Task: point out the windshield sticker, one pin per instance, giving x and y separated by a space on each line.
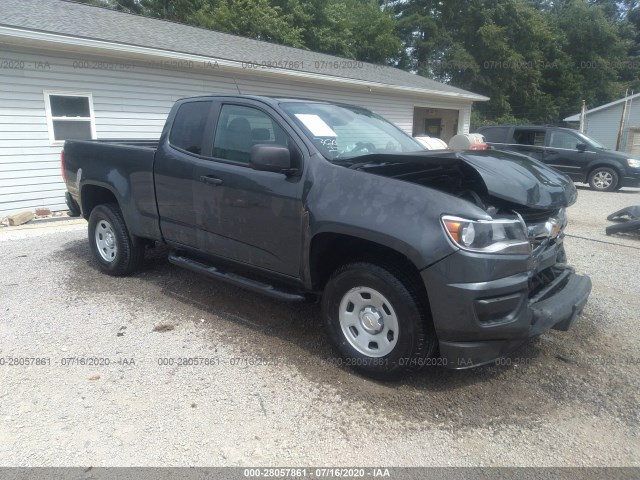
329 143
316 125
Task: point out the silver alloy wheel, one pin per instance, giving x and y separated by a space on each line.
368 322
603 179
106 241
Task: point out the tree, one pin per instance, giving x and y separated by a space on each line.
535 59
129 6
497 48
250 18
357 29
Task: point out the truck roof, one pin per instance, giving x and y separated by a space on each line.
271 100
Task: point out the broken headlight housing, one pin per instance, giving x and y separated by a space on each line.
503 236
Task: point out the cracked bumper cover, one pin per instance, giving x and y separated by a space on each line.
479 322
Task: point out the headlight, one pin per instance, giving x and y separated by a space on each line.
487 236
633 163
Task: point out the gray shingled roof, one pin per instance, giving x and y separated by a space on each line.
85 21
576 117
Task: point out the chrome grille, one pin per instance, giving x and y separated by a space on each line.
546 227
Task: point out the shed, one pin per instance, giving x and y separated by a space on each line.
603 124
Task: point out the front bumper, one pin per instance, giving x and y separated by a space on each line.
631 178
480 322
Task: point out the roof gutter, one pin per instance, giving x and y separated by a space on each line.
576 117
31 37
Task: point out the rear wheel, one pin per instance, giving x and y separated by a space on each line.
117 254
604 179
377 319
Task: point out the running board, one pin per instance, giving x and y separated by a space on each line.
238 280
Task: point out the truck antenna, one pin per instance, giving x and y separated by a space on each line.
234 81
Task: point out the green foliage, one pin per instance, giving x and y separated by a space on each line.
536 59
250 18
478 119
355 29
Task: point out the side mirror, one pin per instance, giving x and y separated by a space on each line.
270 158
581 147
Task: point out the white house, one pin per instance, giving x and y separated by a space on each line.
603 124
70 70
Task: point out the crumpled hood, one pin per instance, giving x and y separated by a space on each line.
521 179
508 176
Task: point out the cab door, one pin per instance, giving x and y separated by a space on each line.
562 153
242 214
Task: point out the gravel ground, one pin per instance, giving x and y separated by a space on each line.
565 399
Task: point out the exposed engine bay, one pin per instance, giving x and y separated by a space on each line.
453 174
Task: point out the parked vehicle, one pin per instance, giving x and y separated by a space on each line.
580 157
411 252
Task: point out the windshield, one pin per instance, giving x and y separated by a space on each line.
591 141
346 132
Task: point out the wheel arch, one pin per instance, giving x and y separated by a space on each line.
385 271
604 164
330 250
92 195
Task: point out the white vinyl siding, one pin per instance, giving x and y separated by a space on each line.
603 125
133 102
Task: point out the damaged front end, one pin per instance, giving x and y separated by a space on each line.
487 303
508 279
550 275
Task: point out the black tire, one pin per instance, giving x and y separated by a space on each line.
415 339
604 179
118 255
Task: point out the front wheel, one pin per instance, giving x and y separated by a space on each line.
377 319
117 254
604 179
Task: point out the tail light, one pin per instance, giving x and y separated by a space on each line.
482 146
64 171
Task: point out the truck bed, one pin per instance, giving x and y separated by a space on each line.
129 142
123 166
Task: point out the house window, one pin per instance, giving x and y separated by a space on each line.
69 116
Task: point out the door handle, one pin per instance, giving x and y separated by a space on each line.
552 152
211 180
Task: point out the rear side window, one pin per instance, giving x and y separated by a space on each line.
564 140
496 134
529 137
189 125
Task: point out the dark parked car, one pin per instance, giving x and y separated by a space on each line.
411 252
580 157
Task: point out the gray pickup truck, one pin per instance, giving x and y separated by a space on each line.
419 258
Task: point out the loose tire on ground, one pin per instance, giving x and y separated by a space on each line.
110 243
604 179
377 318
